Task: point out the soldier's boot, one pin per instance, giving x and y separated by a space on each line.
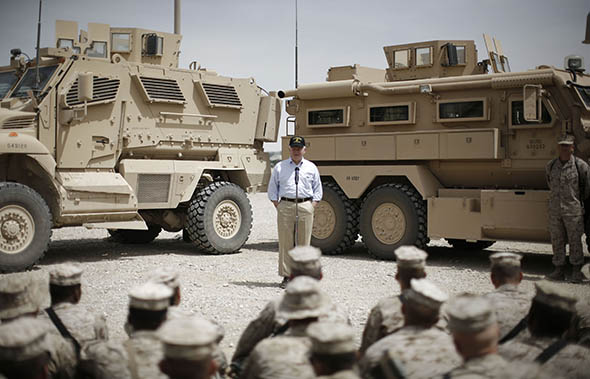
557 274
576 274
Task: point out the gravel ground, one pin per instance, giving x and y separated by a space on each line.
232 289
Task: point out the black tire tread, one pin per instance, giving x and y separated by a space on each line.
352 221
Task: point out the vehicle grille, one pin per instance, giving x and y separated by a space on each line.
221 95
162 90
104 90
20 122
153 188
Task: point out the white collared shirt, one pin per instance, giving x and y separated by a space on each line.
282 181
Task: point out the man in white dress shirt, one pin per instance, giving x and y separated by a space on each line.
282 192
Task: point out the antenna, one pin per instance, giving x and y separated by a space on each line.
296 47
37 78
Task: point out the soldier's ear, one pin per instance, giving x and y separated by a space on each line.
212 368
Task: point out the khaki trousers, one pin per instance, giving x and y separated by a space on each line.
286 225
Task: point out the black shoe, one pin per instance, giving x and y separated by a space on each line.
558 274
284 283
576 274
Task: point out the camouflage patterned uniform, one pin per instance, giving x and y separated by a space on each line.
511 305
423 352
83 325
490 366
144 353
565 209
347 374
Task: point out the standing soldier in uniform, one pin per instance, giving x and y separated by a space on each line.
286 197
567 177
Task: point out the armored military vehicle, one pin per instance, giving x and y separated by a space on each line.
435 146
108 132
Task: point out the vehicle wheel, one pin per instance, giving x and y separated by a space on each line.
25 227
131 236
393 215
185 236
335 221
219 218
468 245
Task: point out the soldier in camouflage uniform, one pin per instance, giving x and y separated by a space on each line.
285 356
66 290
23 349
510 303
386 316
567 175
419 346
24 295
305 261
333 351
188 345
549 322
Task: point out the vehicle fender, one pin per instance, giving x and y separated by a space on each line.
18 143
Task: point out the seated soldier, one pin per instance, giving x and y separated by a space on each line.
510 303
333 351
188 346
286 354
419 346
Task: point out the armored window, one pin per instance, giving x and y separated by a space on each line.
391 114
121 42
461 110
28 81
65 43
518 114
326 117
98 49
460 54
152 44
7 80
585 95
423 56
401 58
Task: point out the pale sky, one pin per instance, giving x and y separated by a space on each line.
256 38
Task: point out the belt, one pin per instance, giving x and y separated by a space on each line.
301 200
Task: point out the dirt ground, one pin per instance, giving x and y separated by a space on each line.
232 289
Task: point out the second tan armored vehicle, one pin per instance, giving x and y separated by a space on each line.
436 147
115 135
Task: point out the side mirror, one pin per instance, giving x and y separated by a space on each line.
531 96
85 86
452 59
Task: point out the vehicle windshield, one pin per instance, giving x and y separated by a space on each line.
584 93
28 81
7 80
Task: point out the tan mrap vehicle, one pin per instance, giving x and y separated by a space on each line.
436 147
117 136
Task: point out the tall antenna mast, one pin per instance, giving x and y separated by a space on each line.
296 48
37 77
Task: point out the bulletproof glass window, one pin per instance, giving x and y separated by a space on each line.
121 42
505 63
7 80
518 114
326 117
585 95
65 43
461 109
97 50
460 54
153 45
390 113
401 58
423 56
29 78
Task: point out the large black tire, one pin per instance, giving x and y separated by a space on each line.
25 227
219 218
467 245
393 215
335 221
131 236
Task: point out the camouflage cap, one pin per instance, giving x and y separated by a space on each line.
23 339
190 338
17 295
302 299
505 259
566 139
556 296
66 274
305 258
410 257
165 275
469 313
424 293
331 338
150 296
